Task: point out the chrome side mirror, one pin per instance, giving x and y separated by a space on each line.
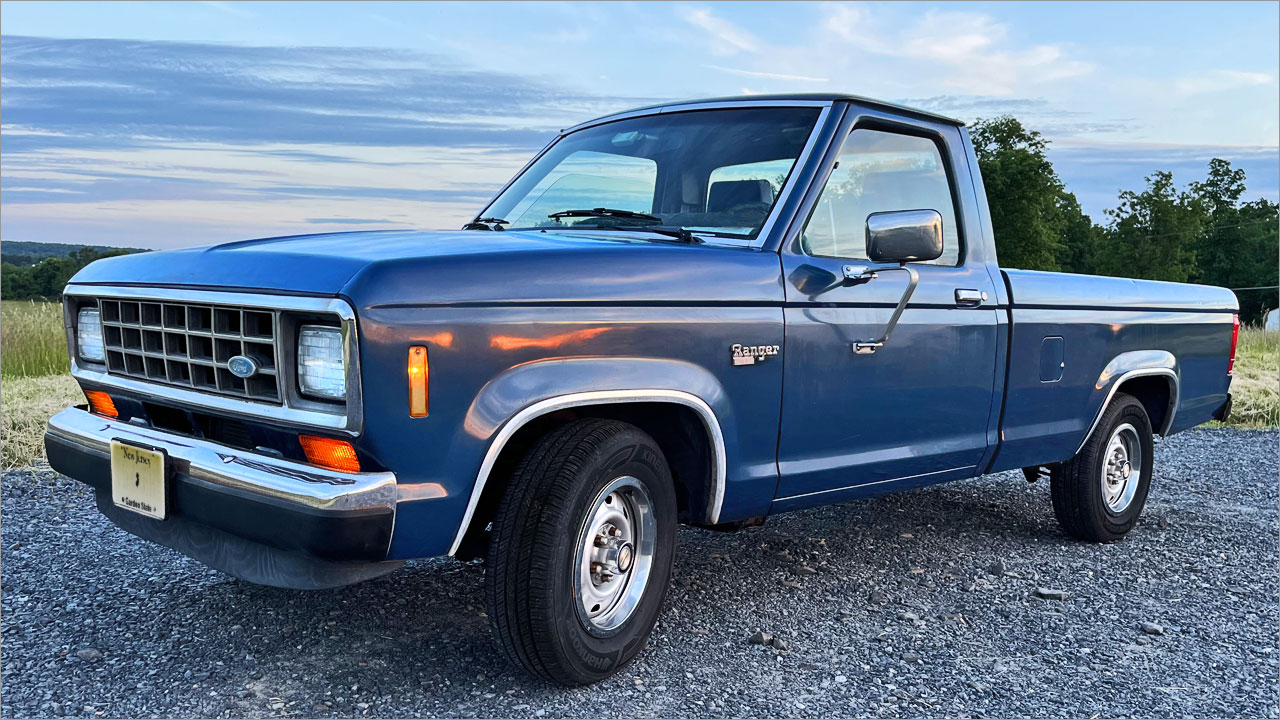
903 236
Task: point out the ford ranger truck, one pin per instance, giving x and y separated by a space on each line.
700 313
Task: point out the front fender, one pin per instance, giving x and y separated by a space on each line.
527 392
488 365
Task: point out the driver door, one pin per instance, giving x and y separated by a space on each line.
916 410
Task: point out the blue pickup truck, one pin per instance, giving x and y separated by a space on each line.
700 313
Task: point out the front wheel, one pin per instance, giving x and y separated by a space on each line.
581 551
1099 494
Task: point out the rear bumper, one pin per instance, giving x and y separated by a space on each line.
264 519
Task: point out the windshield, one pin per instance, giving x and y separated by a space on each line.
715 172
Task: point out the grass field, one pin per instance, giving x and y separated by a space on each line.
1255 389
26 403
32 340
34 383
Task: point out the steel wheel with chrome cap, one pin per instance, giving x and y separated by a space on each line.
1122 456
1099 494
580 551
615 555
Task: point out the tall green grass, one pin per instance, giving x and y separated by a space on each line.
34 379
32 340
1255 385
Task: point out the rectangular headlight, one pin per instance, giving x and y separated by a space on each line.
322 370
89 335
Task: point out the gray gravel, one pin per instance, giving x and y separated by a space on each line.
963 599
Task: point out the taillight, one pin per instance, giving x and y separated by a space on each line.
1235 340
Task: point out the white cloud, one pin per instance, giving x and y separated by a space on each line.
769 75
883 50
726 38
970 52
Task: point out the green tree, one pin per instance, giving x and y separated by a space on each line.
1038 224
46 279
1238 247
1153 234
1081 238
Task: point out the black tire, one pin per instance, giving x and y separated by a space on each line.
533 551
1077 484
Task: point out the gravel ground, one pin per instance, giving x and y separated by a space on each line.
926 603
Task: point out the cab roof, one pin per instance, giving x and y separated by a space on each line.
778 99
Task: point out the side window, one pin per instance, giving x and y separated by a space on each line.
880 171
587 179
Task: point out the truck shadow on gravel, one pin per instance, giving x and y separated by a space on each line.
427 620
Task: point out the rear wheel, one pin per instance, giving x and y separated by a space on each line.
581 551
1099 494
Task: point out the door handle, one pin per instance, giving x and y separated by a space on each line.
969 298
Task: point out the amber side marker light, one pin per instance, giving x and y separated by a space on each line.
418 372
327 452
101 403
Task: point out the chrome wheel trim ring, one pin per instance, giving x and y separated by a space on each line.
1121 468
614 555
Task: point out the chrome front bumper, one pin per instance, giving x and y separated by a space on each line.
267 520
304 485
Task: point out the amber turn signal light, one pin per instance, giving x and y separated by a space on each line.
101 403
418 372
327 452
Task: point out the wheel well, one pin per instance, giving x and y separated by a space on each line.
1155 393
677 429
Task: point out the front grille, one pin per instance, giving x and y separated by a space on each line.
188 345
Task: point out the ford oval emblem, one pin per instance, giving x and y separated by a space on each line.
242 367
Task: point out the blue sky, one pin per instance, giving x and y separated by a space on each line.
177 124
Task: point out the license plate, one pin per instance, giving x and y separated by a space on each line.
137 479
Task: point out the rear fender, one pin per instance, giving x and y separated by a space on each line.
1125 367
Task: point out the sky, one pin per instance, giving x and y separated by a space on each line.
178 124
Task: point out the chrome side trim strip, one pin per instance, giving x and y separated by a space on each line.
1174 398
295 411
876 482
600 397
293 482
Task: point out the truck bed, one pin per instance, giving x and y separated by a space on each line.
1074 337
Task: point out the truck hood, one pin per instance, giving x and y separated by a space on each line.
449 267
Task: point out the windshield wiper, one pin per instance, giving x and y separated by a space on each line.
486 223
681 234
605 212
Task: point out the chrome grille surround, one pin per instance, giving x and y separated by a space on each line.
174 344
